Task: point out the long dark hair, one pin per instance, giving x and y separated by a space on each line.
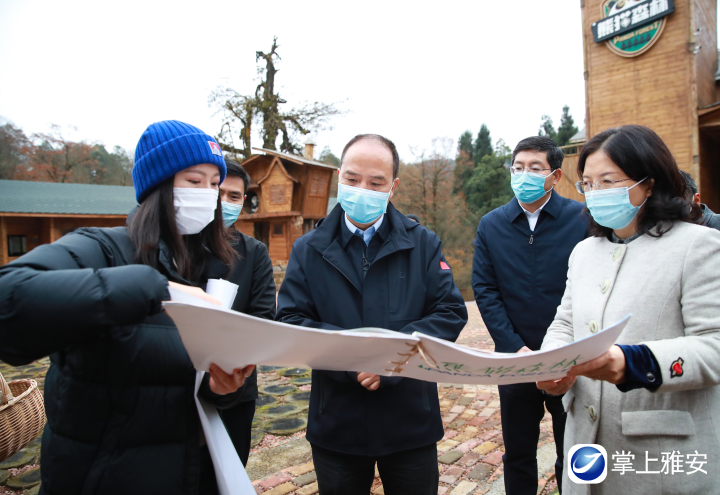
155 220
640 153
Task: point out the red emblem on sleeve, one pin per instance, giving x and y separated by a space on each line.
676 368
444 266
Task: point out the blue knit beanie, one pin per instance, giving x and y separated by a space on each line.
166 148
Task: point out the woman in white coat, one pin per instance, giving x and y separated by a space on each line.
651 401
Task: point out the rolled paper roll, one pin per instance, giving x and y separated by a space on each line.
223 290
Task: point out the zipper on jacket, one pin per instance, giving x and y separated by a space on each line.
531 239
366 263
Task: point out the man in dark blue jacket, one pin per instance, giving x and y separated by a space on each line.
253 275
519 272
367 265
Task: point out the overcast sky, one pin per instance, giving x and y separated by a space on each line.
411 71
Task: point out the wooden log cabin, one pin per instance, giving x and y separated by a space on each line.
35 213
288 194
654 63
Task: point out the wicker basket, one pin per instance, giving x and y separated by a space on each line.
22 415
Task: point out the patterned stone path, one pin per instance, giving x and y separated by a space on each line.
469 455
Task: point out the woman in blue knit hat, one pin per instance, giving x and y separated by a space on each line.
119 394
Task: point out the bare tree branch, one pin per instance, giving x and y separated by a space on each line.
240 112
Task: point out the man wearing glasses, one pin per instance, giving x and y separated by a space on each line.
519 272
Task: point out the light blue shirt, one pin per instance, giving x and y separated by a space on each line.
365 234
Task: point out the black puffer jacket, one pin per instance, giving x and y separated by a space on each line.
119 393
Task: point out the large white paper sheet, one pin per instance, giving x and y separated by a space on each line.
459 364
234 340
229 471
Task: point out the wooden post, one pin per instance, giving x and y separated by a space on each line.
3 242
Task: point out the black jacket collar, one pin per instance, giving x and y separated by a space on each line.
345 234
328 229
327 239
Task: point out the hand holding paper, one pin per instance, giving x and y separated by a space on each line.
557 387
178 291
609 367
369 381
223 383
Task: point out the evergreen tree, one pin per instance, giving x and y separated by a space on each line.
567 127
483 145
489 186
502 150
547 128
327 156
13 148
111 168
464 165
465 144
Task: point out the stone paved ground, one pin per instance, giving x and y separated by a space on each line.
469 455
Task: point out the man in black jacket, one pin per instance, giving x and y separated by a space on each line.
519 273
255 296
367 265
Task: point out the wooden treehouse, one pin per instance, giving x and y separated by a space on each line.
288 194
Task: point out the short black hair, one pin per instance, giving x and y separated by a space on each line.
690 183
642 154
541 143
376 137
234 169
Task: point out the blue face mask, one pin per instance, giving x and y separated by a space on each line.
362 205
529 187
230 212
612 208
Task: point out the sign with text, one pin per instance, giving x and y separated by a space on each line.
631 27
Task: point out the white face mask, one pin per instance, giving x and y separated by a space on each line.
194 208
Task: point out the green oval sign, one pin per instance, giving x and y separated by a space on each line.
631 27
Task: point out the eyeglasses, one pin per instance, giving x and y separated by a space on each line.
536 169
584 186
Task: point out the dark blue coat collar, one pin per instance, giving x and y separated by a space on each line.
346 235
553 207
328 229
327 239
